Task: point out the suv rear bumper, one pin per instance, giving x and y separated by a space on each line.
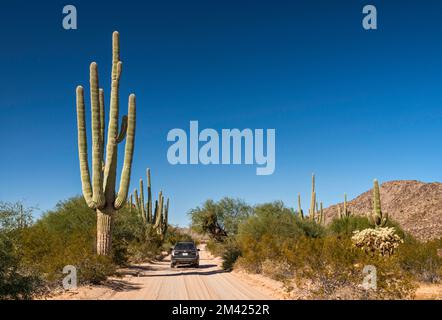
185 260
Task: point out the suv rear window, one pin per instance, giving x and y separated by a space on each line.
184 246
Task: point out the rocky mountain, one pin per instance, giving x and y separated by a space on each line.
415 205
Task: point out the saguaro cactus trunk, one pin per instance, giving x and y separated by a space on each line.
101 195
300 212
313 199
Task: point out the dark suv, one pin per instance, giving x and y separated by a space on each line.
185 253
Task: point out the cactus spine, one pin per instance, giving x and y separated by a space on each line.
101 194
377 217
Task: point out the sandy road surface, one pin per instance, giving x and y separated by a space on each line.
157 281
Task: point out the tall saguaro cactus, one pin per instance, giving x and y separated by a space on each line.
300 211
149 197
101 194
313 199
377 217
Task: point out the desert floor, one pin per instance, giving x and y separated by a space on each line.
157 281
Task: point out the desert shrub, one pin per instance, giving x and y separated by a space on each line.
422 260
95 269
64 236
310 228
231 252
16 281
262 236
279 270
332 268
132 240
382 241
216 248
174 235
219 219
276 243
346 226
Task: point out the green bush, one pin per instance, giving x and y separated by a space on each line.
231 253
16 282
64 236
174 235
421 259
323 263
67 236
216 248
345 227
261 236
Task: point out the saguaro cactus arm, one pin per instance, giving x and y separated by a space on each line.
97 144
149 197
123 130
102 121
142 207
111 149
82 149
128 155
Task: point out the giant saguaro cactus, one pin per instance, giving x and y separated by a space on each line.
101 194
377 217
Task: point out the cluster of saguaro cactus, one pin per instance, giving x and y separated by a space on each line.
316 211
378 218
158 219
101 194
346 213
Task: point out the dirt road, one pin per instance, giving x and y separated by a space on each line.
157 281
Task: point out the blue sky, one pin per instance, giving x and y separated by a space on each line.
348 104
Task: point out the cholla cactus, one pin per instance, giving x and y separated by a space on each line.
101 195
377 217
382 241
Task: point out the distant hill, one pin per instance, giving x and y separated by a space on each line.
416 205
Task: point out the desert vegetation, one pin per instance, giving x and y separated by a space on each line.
34 253
316 260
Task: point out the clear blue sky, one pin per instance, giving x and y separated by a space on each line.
347 104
